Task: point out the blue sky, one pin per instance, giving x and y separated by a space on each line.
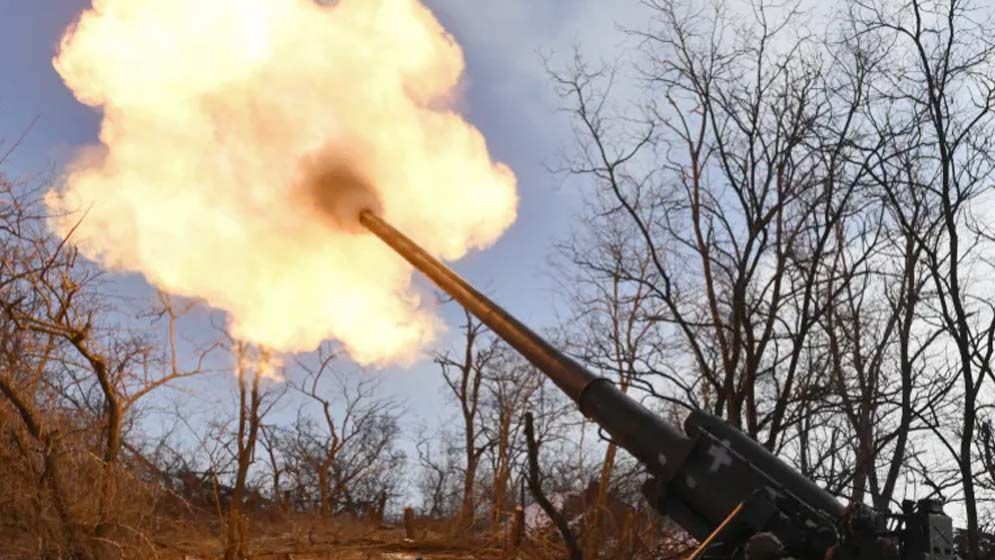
507 95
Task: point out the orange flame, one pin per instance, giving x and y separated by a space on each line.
233 127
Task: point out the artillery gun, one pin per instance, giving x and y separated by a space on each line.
721 486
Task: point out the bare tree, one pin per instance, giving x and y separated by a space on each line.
273 440
34 432
359 430
808 204
125 368
611 328
464 376
438 460
734 186
943 60
251 366
574 552
81 370
510 383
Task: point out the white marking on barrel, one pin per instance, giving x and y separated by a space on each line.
720 457
662 459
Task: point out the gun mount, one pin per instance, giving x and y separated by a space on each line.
714 481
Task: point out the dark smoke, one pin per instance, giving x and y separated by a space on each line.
338 191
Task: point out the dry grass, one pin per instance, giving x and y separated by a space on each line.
303 537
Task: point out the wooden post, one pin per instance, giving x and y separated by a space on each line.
628 532
518 527
409 523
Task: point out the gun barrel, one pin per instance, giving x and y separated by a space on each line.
631 425
569 376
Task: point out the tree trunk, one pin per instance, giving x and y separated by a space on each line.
248 426
467 510
323 492
967 474
574 551
500 481
112 450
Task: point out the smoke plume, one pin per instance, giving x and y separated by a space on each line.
241 137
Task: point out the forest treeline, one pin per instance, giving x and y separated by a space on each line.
789 222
